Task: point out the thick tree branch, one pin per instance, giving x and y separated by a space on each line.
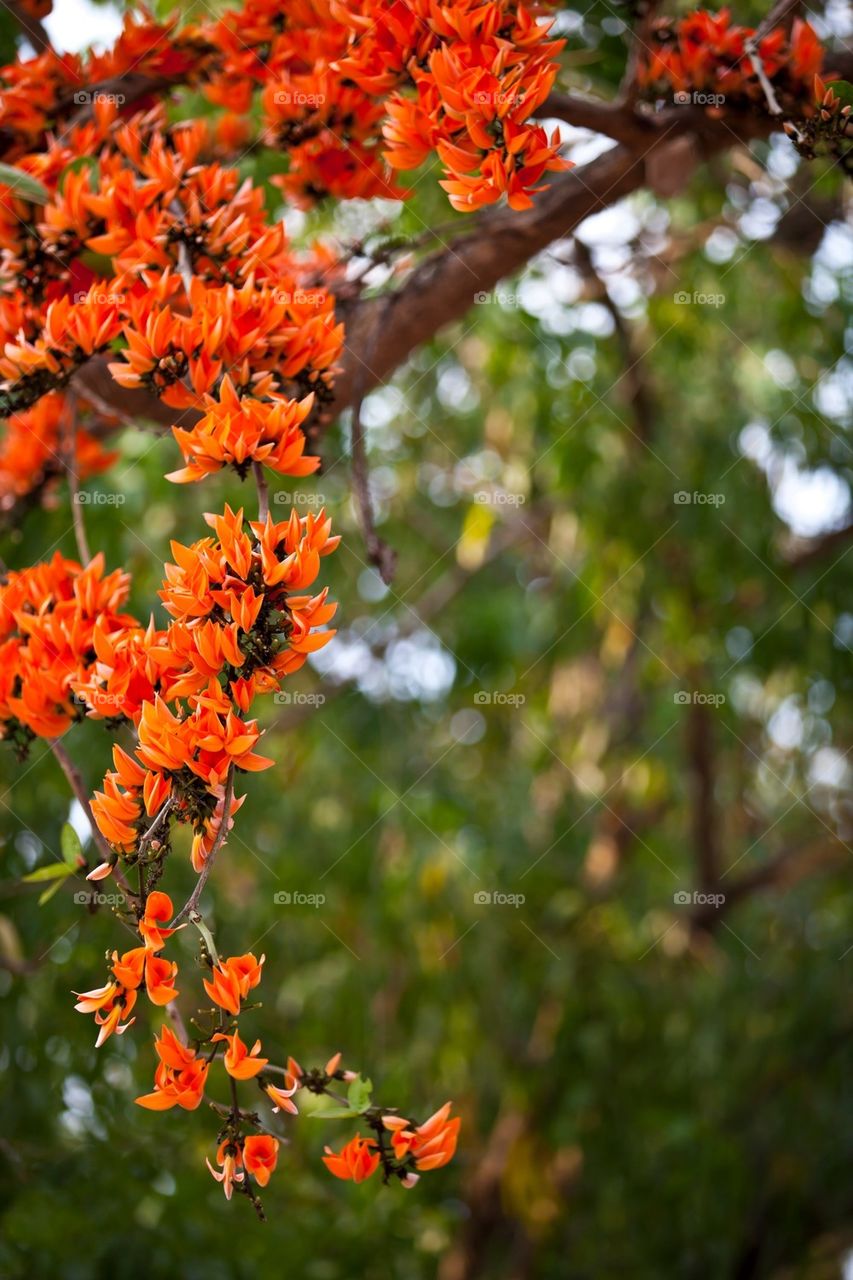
622 123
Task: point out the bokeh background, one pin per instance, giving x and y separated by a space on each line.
575 790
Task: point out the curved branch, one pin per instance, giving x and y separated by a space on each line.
75 781
190 907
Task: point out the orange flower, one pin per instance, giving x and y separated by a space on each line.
224 989
158 909
431 1144
180 1078
240 1062
282 1098
238 431
228 1155
129 968
260 1155
232 981
355 1162
159 976
109 1004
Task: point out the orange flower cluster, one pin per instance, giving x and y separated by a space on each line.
235 621
204 289
707 52
32 450
180 1078
116 999
182 1074
154 247
329 77
479 72
415 1149
129 233
49 615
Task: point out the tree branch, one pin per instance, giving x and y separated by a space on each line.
75 781
190 907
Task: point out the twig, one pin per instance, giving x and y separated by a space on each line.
77 785
190 907
751 50
629 87
70 450
149 834
781 14
634 375
378 551
263 491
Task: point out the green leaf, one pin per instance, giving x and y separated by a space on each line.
842 89
48 893
77 165
359 1094
56 871
72 849
334 1113
23 184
